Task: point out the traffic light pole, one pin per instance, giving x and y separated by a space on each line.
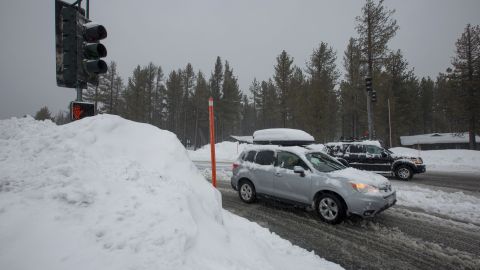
79 88
371 126
369 112
79 94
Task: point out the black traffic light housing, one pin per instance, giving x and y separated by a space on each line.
373 96
78 50
368 84
79 110
92 51
66 44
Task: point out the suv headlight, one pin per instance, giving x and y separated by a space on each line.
417 160
364 188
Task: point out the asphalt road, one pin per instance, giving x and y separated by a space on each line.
398 238
464 181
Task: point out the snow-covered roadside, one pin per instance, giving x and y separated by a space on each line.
107 193
457 205
224 151
222 174
453 160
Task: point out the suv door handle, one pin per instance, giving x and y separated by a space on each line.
278 174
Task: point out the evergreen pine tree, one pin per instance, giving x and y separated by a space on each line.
322 99
467 73
43 114
282 77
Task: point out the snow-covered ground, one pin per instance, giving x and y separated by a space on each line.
453 160
455 205
107 193
224 151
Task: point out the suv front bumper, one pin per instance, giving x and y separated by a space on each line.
419 168
369 206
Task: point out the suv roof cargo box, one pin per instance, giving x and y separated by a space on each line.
282 136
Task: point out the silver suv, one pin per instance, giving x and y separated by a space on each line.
311 178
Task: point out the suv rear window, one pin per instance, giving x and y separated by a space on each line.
250 156
265 158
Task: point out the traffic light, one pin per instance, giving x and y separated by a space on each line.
78 50
91 51
79 110
368 84
66 45
373 95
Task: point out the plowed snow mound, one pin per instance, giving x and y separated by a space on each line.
108 193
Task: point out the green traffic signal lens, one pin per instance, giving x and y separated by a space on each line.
94 50
95 66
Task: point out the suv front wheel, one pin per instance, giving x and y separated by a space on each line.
330 209
404 172
246 191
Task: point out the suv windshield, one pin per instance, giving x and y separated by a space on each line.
324 163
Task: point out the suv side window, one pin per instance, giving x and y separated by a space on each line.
250 156
288 160
356 149
265 157
372 149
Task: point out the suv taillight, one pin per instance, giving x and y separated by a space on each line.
235 165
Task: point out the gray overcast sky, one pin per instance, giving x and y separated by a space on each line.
249 34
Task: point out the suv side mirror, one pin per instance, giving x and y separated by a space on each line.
300 170
384 154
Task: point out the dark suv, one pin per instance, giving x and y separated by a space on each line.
371 157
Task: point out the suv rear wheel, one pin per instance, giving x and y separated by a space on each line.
246 191
330 209
404 172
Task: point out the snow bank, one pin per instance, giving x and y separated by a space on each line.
107 193
224 151
456 205
454 160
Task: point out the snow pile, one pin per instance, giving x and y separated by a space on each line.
454 160
107 193
456 205
224 151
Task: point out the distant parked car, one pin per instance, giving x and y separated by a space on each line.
311 178
371 157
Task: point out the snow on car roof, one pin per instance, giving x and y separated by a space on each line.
285 136
366 142
294 149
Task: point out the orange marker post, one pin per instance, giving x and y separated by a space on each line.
212 141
